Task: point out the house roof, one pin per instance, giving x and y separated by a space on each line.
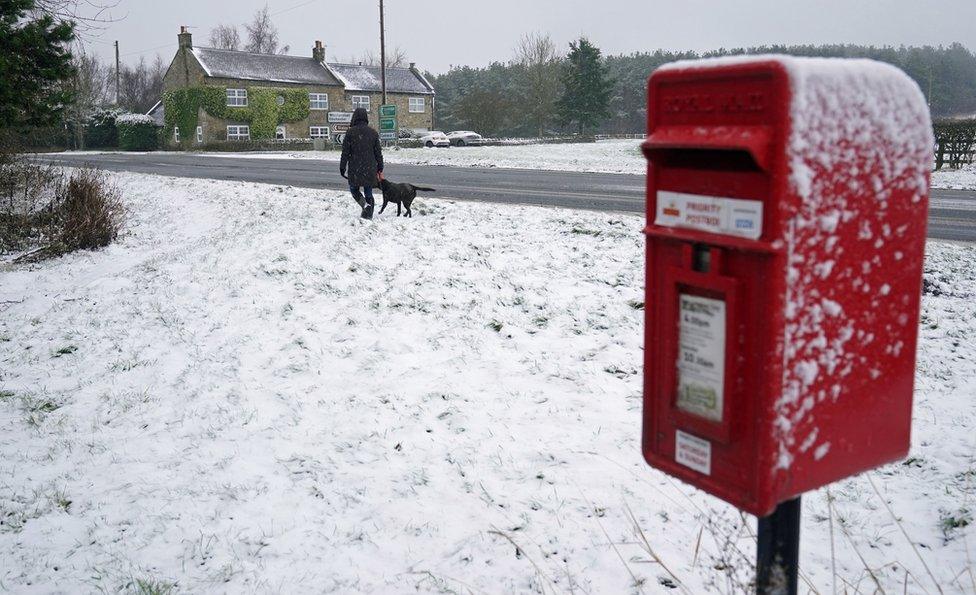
158 113
297 69
263 67
367 78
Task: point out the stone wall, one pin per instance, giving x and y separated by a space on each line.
405 119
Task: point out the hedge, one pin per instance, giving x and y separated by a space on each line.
955 142
137 133
262 113
100 129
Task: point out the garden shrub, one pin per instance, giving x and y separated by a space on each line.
90 211
101 131
45 212
137 132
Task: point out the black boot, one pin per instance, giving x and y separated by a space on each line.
367 210
359 198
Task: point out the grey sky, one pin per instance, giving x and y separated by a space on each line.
439 33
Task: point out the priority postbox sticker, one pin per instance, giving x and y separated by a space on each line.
694 452
717 214
701 356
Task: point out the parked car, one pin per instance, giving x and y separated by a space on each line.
435 138
460 138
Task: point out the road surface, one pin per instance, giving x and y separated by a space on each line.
952 213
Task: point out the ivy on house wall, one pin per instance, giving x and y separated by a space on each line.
262 113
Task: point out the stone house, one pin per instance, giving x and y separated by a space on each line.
212 95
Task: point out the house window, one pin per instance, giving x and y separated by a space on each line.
176 134
318 101
199 134
318 132
237 97
280 133
360 101
416 105
238 133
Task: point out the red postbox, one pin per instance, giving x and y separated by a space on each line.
786 216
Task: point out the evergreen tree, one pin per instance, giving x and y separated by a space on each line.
35 64
587 88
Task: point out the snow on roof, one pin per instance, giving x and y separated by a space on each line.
263 67
158 113
367 78
297 69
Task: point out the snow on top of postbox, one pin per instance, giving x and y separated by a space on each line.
858 157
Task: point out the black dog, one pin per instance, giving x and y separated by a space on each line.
401 194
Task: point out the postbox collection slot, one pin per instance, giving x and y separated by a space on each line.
707 159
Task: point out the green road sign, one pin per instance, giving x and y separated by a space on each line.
387 111
388 124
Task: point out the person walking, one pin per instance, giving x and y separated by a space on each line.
362 153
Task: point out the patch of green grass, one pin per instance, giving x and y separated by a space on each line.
586 232
150 586
496 326
7 394
61 500
636 304
950 522
126 365
69 349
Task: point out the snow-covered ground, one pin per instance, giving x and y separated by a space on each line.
963 178
253 390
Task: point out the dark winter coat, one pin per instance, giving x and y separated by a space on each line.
361 151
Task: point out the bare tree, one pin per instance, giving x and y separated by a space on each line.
395 59
225 37
87 14
142 85
262 35
485 110
90 88
536 54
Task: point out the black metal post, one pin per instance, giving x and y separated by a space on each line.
778 550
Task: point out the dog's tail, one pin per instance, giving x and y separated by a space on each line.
422 188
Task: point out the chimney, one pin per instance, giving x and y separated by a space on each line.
413 66
318 52
186 39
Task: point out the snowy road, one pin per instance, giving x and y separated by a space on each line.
952 212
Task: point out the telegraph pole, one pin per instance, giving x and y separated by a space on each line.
382 53
117 79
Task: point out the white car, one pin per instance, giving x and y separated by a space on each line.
435 139
461 138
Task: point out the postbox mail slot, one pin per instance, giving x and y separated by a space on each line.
754 140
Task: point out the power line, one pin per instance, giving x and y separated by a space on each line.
306 3
158 47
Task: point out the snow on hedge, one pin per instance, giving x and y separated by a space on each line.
255 390
135 119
